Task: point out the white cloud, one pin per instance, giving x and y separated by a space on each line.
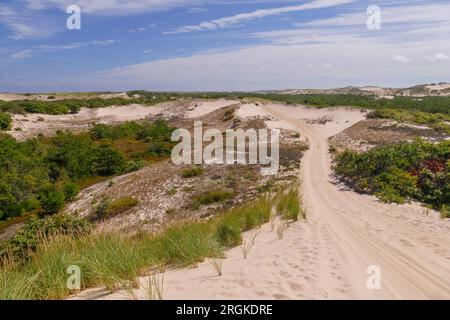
196 10
26 31
76 45
309 56
113 7
321 65
258 14
400 58
438 57
24 54
28 53
409 13
6 11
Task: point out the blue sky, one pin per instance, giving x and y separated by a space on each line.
221 45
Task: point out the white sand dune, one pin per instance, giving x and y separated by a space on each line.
204 107
327 255
33 124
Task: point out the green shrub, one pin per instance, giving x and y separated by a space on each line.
51 200
108 160
134 165
159 149
445 212
100 210
192 172
394 173
5 121
27 238
71 190
107 208
213 196
171 211
121 205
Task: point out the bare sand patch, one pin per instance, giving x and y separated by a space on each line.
202 108
30 125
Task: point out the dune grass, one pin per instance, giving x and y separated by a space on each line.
115 260
289 204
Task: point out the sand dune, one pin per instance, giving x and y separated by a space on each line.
326 256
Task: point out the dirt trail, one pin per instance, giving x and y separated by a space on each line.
327 255
410 248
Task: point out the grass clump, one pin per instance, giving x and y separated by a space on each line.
107 208
213 196
191 172
289 205
445 212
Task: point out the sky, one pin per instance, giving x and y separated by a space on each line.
222 45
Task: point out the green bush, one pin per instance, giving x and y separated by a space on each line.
134 165
121 205
27 238
445 212
51 200
71 190
418 170
192 172
108 160
5 121
213 196
107 208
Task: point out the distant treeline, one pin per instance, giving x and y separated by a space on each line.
425 104
66 106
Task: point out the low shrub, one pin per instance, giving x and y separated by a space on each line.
191 172
445 212
109 208
27 239
213 196
398 172
5 121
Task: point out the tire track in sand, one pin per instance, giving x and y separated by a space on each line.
414 263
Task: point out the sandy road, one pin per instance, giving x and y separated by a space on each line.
410 248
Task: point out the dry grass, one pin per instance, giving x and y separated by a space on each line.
217 265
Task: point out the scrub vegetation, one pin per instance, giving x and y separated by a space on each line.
395 173
34 263
40 175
